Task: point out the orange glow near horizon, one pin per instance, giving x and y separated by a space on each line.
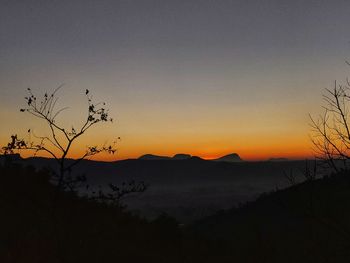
291 148
276 134
245 156
253 136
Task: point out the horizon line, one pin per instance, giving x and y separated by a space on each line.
291 158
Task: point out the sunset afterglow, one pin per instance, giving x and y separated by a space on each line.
190 77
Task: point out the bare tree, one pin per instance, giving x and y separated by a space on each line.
60 140
330 131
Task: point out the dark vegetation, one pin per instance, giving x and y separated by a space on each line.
79 230
308 222
331 130
59 141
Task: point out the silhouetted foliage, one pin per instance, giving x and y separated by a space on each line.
331 131
310 171
290 177
85 230
308 222
60 140
116 193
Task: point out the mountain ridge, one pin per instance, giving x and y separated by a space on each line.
232 157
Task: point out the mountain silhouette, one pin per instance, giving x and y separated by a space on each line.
233 157
181 156
178 156
153 157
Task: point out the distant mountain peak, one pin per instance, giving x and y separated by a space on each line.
153 157
232 157
178 156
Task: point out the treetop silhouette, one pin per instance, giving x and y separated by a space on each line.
60 140
331 130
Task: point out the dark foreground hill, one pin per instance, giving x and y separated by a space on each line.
308 222
36 228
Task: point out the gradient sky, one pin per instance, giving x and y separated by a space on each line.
201 77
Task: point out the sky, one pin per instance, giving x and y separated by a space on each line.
206 78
